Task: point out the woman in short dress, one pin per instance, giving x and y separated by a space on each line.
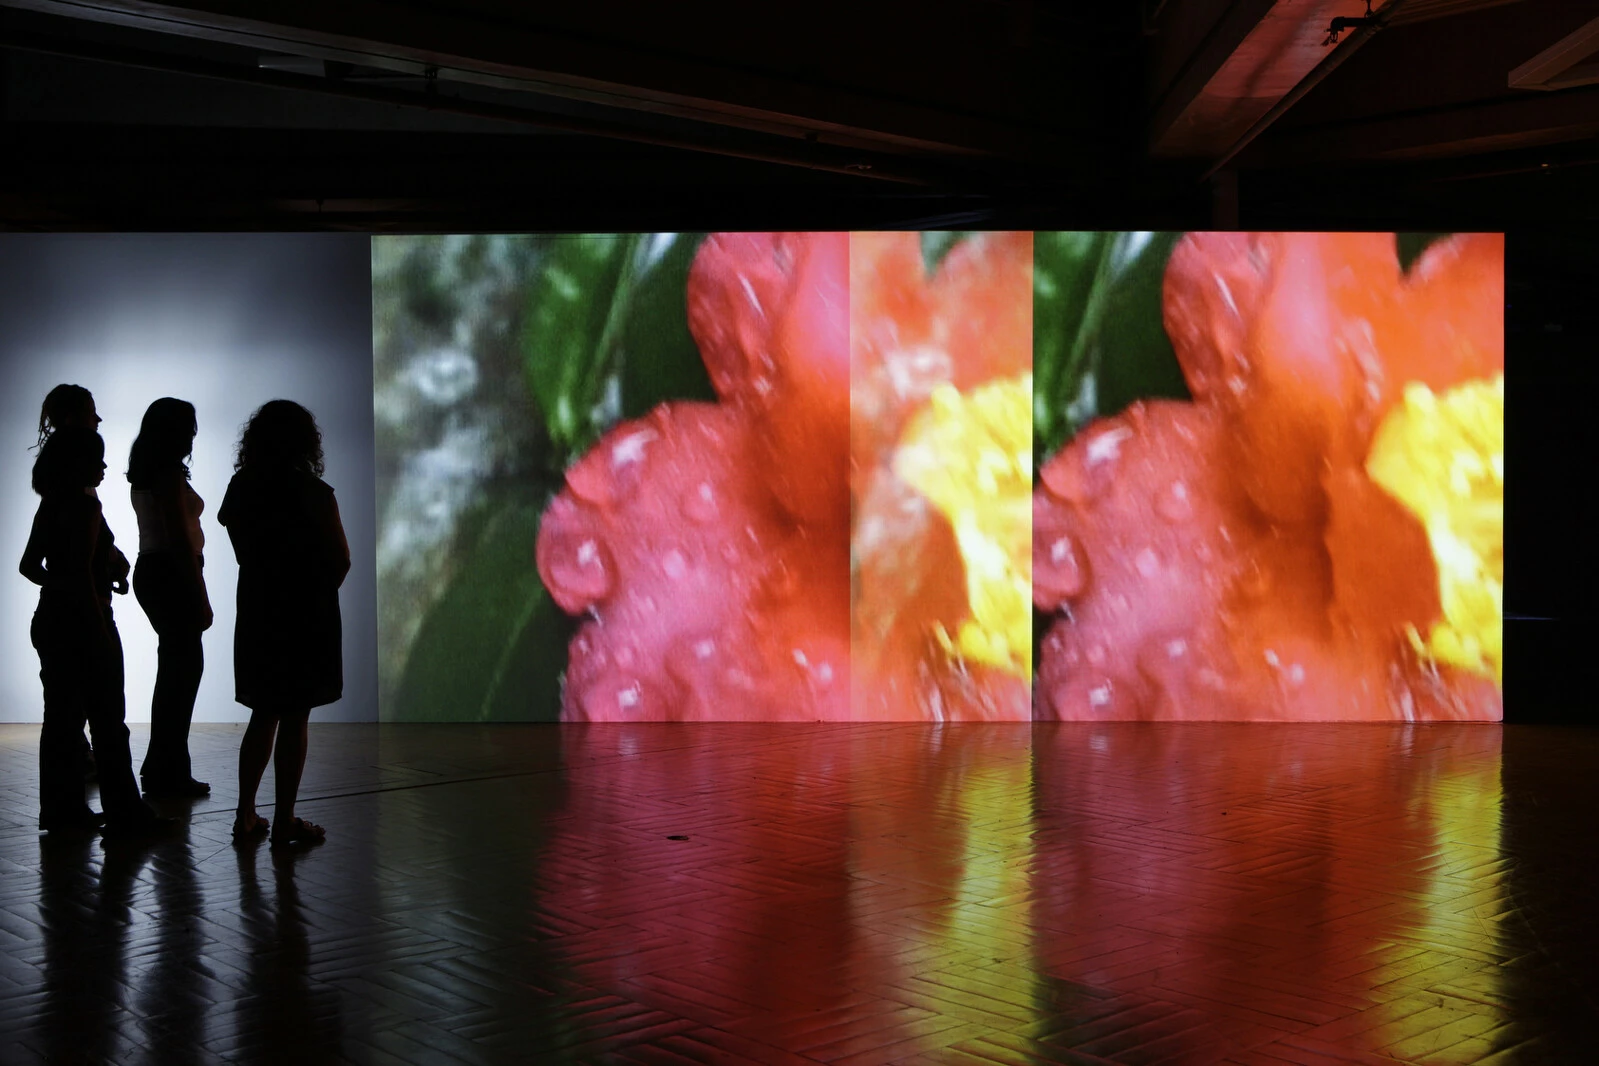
284 524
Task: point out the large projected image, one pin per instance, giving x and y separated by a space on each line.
1271 476
771 477
818 476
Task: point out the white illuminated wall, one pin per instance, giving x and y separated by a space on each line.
226 322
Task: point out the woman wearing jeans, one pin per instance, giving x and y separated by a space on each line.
169 583
80 652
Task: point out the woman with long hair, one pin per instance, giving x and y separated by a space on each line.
287 656
169 583
80 651
72 407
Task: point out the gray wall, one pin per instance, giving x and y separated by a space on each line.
226 322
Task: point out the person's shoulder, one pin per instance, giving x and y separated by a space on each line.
308 486
238 488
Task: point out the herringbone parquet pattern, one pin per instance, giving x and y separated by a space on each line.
866 894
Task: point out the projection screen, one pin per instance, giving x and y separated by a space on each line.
939 476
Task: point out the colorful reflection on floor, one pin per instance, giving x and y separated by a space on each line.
1073 893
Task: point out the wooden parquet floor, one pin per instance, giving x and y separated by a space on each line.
859 894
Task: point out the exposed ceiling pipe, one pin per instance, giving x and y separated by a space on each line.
1364 32
813 157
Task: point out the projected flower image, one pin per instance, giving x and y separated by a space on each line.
845 533
704 477
1315 531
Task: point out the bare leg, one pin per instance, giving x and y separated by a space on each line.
254 752
289 764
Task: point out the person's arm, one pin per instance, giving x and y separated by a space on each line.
119 563
32 565
84 533
338 543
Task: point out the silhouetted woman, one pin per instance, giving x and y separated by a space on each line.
170 586
80 651
287 658
72 407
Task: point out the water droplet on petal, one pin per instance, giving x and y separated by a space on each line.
700 504
1060 573
1106 447
1147 562
674 565
1066 480
630 449
581 568
1174 504
619 699
1097 654
591 483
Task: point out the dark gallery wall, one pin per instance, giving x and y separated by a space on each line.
1551 337
226 322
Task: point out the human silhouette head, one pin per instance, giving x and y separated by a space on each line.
71 460
281 435
66 406
165 441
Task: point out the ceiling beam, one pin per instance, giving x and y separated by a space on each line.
1219 66
1436 133
1567 63
501 46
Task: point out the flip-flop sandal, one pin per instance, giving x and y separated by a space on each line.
254 831
300 833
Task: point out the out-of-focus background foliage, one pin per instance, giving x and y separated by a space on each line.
497 360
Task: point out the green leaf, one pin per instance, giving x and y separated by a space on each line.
1098 338
575 304
1064 266
657 355
1411 245
494 646
938 243
1136 359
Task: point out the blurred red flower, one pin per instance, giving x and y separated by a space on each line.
714 546
1318 535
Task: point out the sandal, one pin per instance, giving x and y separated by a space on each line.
300 832
254 830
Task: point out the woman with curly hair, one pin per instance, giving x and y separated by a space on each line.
284 524
170 585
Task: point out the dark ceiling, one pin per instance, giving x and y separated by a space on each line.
488 114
